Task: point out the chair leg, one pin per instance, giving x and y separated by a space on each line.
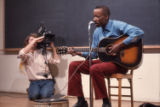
131 90
109 90
49 105
119 92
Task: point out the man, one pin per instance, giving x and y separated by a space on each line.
105 28
37 70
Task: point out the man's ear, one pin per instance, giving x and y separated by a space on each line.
107 17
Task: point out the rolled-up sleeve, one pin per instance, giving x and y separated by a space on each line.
54 61
23 56
134 33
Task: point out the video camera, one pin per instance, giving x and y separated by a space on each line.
48 37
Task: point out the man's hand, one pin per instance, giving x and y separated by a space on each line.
54 53
52 45
73 53
114 49
39 39
32 43
36 40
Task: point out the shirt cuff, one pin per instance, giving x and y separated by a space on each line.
54 61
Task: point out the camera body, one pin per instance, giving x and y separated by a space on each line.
48 37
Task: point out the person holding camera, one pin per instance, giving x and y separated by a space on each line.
36 67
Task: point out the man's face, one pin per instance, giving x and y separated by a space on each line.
99 18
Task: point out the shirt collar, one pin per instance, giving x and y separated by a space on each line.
108 25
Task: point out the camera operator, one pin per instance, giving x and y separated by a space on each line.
36 67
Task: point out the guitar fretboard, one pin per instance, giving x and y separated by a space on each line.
102 49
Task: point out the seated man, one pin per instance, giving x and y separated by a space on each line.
98 70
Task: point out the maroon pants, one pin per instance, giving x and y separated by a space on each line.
97 71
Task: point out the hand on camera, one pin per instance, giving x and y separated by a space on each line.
52 45
36 40
39 39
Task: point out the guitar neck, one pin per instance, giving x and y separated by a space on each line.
87 49
64 50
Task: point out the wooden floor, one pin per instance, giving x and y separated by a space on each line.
21 100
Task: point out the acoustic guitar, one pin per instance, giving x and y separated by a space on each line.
129 57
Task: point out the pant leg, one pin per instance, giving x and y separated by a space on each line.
47 87
74 77
75 70
33 91
98 71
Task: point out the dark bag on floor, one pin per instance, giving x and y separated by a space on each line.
148 105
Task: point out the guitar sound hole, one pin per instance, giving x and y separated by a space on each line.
107 49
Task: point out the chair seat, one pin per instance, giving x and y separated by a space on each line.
120 76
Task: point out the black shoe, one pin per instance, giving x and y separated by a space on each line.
106 105
81 103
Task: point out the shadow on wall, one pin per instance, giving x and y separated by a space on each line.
59 70
19 85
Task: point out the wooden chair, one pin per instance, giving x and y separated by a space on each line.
119 77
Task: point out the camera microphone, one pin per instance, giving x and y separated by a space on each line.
41 30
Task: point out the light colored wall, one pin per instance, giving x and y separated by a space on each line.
146 78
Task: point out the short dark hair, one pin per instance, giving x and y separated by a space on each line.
106 10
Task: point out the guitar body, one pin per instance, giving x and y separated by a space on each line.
129 57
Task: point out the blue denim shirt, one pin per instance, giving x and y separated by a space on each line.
115 28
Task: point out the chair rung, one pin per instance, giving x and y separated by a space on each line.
126 95
121 95
118 87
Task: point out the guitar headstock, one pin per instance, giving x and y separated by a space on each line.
62 50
